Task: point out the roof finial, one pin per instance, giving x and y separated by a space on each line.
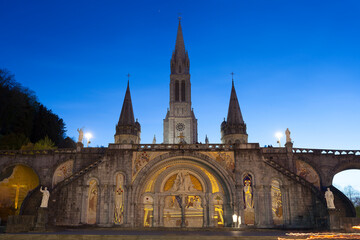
179 17
232 77
128 75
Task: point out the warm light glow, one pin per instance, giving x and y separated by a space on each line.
278 135
88 136
235 218
356 227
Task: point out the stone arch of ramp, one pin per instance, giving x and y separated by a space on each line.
200 165
342 166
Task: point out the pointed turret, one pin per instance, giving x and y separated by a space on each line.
234 116
127 130
233 130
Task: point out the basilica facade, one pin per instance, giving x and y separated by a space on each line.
181 183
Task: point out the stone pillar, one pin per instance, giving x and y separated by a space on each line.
334 219
183 205
204 205
290 163
161 210
42 220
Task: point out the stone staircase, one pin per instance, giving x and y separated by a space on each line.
297 178
76 175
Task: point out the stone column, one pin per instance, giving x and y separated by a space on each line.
156 211
183 205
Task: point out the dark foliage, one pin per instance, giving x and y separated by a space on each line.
22 118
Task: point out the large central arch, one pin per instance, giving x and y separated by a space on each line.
184 190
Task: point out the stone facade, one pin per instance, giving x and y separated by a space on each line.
181 183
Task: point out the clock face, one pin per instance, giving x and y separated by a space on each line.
180 127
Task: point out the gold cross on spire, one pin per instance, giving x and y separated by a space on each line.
179 17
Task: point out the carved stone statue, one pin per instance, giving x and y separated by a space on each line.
81 135
329 196
45 197
288 138
183 183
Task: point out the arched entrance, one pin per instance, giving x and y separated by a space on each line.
183 192
15 183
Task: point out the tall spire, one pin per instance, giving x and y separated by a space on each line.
179 45
180 63
234 113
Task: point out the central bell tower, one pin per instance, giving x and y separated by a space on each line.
180 124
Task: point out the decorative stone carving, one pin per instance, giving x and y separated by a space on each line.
225 159
140 159
329 196
45 197
183 183
287 134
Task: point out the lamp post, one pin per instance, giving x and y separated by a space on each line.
88 136
235 218
278 135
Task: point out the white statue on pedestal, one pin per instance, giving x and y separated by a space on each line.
288 138
329 196
45 197
81 135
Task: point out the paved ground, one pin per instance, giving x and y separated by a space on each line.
140 234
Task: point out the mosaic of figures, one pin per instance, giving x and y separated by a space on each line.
306 171
226 159
148 210
276 203
63 171
119 199
92 202
219 212
140 159
248 200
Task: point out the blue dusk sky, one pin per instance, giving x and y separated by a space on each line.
296 64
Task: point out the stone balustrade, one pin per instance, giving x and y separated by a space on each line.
325 151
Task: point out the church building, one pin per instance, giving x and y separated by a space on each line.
181 183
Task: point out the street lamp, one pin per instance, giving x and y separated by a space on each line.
278 135
88 136
235 218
